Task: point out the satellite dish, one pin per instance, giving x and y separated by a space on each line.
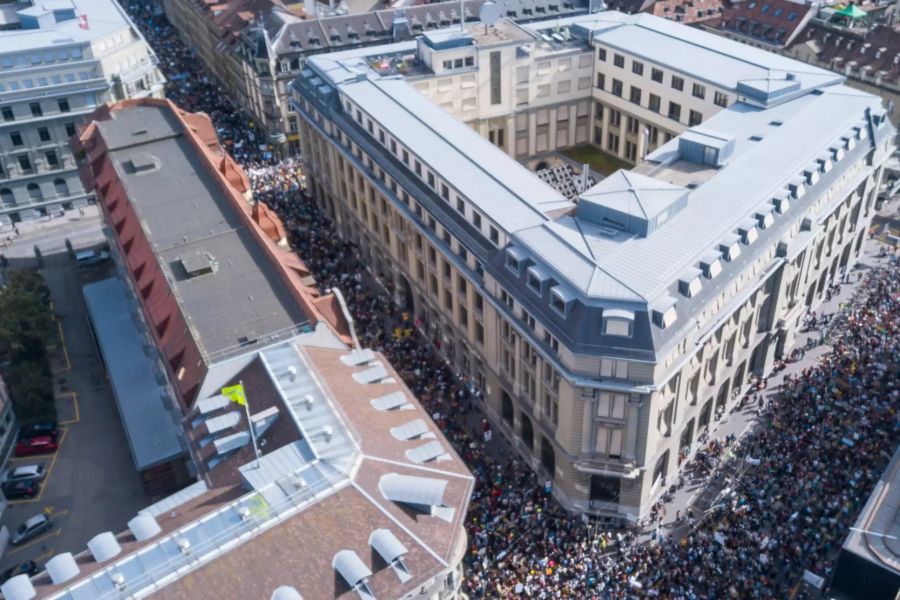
489 14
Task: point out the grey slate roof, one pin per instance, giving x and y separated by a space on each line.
153 435
184 212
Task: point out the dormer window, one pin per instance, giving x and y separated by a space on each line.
664 313
560 300
689 284
812 176
764 217
782 205
513 260
797 189
711 266
536 278
730 249
849 143
748 233
861 133
618 322
825 164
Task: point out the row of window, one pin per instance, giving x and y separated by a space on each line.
677 83
27 83
37 110
459 63
8 61
635 95
35 194
424 174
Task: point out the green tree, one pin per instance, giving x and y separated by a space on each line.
25 321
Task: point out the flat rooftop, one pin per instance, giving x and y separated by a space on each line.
225 283
104 17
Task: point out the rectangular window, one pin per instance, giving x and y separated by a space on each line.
495 235
695 118
617 88
637 67
656 75
633 125
16 138
619 61
445 192
598 110
698 91
24 164
611 406
720 99
654 103
36 110
612 143
601 81
8 113
674 111
601 54
677 83
496 91
43 134
52 159
63 104
635 95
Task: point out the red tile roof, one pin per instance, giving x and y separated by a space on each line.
875 54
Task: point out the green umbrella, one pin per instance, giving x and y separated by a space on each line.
852 11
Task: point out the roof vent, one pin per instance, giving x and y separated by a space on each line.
62 568
354 571
18 588
184 545
144 527
424 494
391 551
286 592
104 546
140 164
198 263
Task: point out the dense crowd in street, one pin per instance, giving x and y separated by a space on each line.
810 463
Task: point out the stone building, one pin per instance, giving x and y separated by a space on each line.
608 333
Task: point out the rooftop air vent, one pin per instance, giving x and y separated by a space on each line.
62 568
198 263
104 546
140 164
18 588
144 527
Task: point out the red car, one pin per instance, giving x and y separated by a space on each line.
42 444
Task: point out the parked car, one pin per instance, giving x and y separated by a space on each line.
26 568
30 529
20 489
85 258
43 444
35 429
25 473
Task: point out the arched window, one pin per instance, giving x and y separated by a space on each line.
61 187
7 199
34 192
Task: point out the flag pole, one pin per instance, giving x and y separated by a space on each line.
250 423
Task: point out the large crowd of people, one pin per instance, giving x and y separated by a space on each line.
811 461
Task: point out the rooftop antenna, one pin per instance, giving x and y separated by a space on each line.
488 15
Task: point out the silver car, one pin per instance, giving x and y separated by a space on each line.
30 529
25 473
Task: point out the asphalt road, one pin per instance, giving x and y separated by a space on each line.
91 485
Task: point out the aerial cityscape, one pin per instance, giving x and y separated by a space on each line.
463 299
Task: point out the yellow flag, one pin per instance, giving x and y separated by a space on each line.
235 393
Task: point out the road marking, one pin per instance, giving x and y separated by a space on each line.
43 538
62 340
65 432
74 397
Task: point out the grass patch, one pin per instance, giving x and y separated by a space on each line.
600 161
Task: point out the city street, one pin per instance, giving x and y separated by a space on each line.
91 485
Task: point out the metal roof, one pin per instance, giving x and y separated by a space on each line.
387 545
351 567
408 489
151 429
183 210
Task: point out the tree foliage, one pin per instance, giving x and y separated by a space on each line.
25 325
